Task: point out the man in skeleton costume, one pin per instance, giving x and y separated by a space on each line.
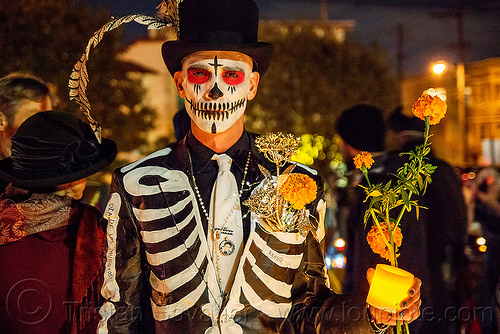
182 260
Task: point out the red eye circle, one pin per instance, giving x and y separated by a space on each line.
198 75
233 77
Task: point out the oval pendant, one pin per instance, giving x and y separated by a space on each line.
226 247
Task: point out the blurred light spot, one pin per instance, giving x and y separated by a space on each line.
339 244
481 241
339 261
328 262
439 68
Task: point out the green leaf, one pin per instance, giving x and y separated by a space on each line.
374 193
411 188
420 182
405 196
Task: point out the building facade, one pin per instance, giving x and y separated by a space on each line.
479 145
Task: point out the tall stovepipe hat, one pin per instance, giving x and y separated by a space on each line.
217 25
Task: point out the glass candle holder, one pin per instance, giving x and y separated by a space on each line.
389 287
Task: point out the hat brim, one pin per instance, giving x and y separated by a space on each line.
174 51
107 152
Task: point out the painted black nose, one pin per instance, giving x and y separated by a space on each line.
215 93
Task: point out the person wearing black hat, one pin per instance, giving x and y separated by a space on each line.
183 259
445 221
51 244
21 96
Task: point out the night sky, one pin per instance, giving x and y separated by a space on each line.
429 26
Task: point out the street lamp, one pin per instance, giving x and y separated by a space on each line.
439 68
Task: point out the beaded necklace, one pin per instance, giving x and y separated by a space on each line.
197 191
211 228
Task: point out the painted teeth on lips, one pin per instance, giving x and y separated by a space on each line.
219 107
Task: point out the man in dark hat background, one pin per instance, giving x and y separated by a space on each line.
183 253
51 244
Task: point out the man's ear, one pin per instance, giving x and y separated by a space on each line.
3 121
178 78
253 85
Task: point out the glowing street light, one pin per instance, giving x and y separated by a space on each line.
439 68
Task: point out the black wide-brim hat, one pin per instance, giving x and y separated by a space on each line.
218 25
52 148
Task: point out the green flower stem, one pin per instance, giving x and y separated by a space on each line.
399 329
364 170
427 127
403 210
394 259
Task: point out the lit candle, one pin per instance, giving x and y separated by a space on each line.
389 287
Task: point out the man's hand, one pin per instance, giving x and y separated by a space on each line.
409 307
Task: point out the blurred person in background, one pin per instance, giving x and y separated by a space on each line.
21 96
445 220
51 244
484 207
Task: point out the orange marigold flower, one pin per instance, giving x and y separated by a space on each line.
298 189
376 241
363 159
429 105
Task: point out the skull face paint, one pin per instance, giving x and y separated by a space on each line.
215 87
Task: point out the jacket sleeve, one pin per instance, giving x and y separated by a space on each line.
316 308
123 274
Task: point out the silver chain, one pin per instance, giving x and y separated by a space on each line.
197 191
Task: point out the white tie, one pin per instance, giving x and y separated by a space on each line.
225 213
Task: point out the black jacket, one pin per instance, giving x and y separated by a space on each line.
158 262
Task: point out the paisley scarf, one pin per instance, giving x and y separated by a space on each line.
45 212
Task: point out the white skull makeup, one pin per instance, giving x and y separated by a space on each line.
215 90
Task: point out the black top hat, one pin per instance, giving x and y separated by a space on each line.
363 127
217 25
52 148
